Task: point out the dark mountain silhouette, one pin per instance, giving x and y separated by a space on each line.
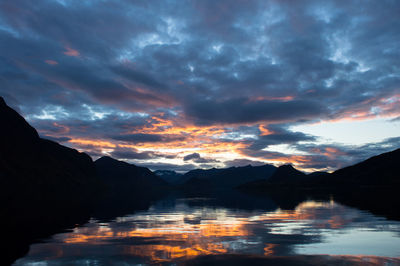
169 176
370 185
227 177
286 174
380 170
318 174
35 167
122 176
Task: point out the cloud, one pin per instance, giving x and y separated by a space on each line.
141 138
278 134
191 156
133 154
71 52
195 157
242 110
135 138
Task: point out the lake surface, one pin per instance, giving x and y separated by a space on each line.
181 230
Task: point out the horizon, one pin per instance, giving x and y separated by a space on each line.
199 85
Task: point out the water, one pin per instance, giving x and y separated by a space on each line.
181 230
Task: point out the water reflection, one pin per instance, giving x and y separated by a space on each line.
182 231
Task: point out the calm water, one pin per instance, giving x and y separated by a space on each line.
179 230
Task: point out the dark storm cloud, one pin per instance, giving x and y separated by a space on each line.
138 76
191 156
133 154
104 68
142 138
138 138
80 128
278 135
242 110
195 157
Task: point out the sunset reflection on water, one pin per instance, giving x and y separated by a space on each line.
182 231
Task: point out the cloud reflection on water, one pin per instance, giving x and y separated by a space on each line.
180 232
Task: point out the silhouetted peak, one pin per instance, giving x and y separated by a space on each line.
15 129
286 167
124 176
105 159
2 101
109 161
286 173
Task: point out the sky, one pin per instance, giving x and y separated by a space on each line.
182 84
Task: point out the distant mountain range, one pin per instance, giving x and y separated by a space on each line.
228 177
169 176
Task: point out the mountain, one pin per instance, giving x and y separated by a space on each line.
169 176
227 177
36 168
380 170
283 176
318 174
124 177
287 174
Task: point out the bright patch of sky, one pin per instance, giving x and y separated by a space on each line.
284 148
352 132
94 114
234 136
51 112
168 33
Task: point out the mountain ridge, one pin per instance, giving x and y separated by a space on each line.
123 176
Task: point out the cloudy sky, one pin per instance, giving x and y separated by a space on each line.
200 84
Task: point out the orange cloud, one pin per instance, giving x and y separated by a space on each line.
264 131
270 98
97 143
71 52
